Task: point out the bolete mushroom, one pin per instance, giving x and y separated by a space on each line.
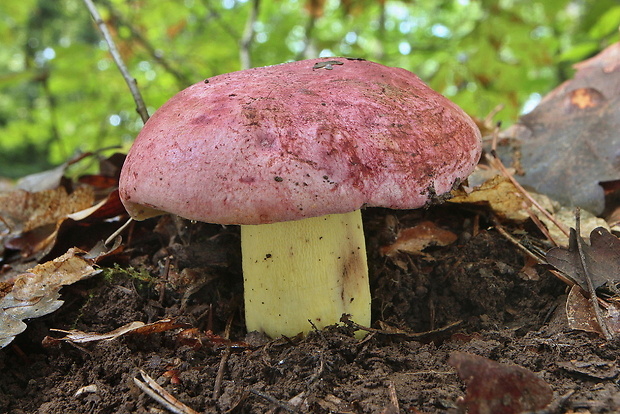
291 153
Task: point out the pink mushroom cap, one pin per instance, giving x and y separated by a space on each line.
298 140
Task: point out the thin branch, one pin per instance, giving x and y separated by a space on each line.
131 82
248 35
156 392
217 388
495 161
183 80
497 225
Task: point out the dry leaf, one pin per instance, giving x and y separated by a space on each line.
41 181
566 216
602 259
590 267
500 195
499 388
196 338
415 239
136 327
581 316
36 292
507 202
579 312
23 211
570 142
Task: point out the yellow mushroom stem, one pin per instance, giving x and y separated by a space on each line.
312 269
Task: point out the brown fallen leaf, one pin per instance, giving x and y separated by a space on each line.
569 142
23 211
509 203
579 312
582 317
590 266
136 327
602 257
30 221
44 180
498 388
197 339
415 239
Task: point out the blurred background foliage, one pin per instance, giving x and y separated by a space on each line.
61 93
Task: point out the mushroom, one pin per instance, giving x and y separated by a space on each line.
291 153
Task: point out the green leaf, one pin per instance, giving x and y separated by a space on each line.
608 23
579 52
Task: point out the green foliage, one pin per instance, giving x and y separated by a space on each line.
60 91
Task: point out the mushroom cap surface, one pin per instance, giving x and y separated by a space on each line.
297 140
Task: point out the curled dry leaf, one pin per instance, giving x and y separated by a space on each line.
415 239
499 194
135 327
498 388
36 292
44 180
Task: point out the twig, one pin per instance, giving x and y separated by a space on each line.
156 392
497 225
393 406
155 55
285 406
217 388
538 259
416 336
131 82
497 163
539 224
114 235
591 289
248 35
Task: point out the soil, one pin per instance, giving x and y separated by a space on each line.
478 295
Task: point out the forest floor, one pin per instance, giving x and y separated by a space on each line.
478 295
